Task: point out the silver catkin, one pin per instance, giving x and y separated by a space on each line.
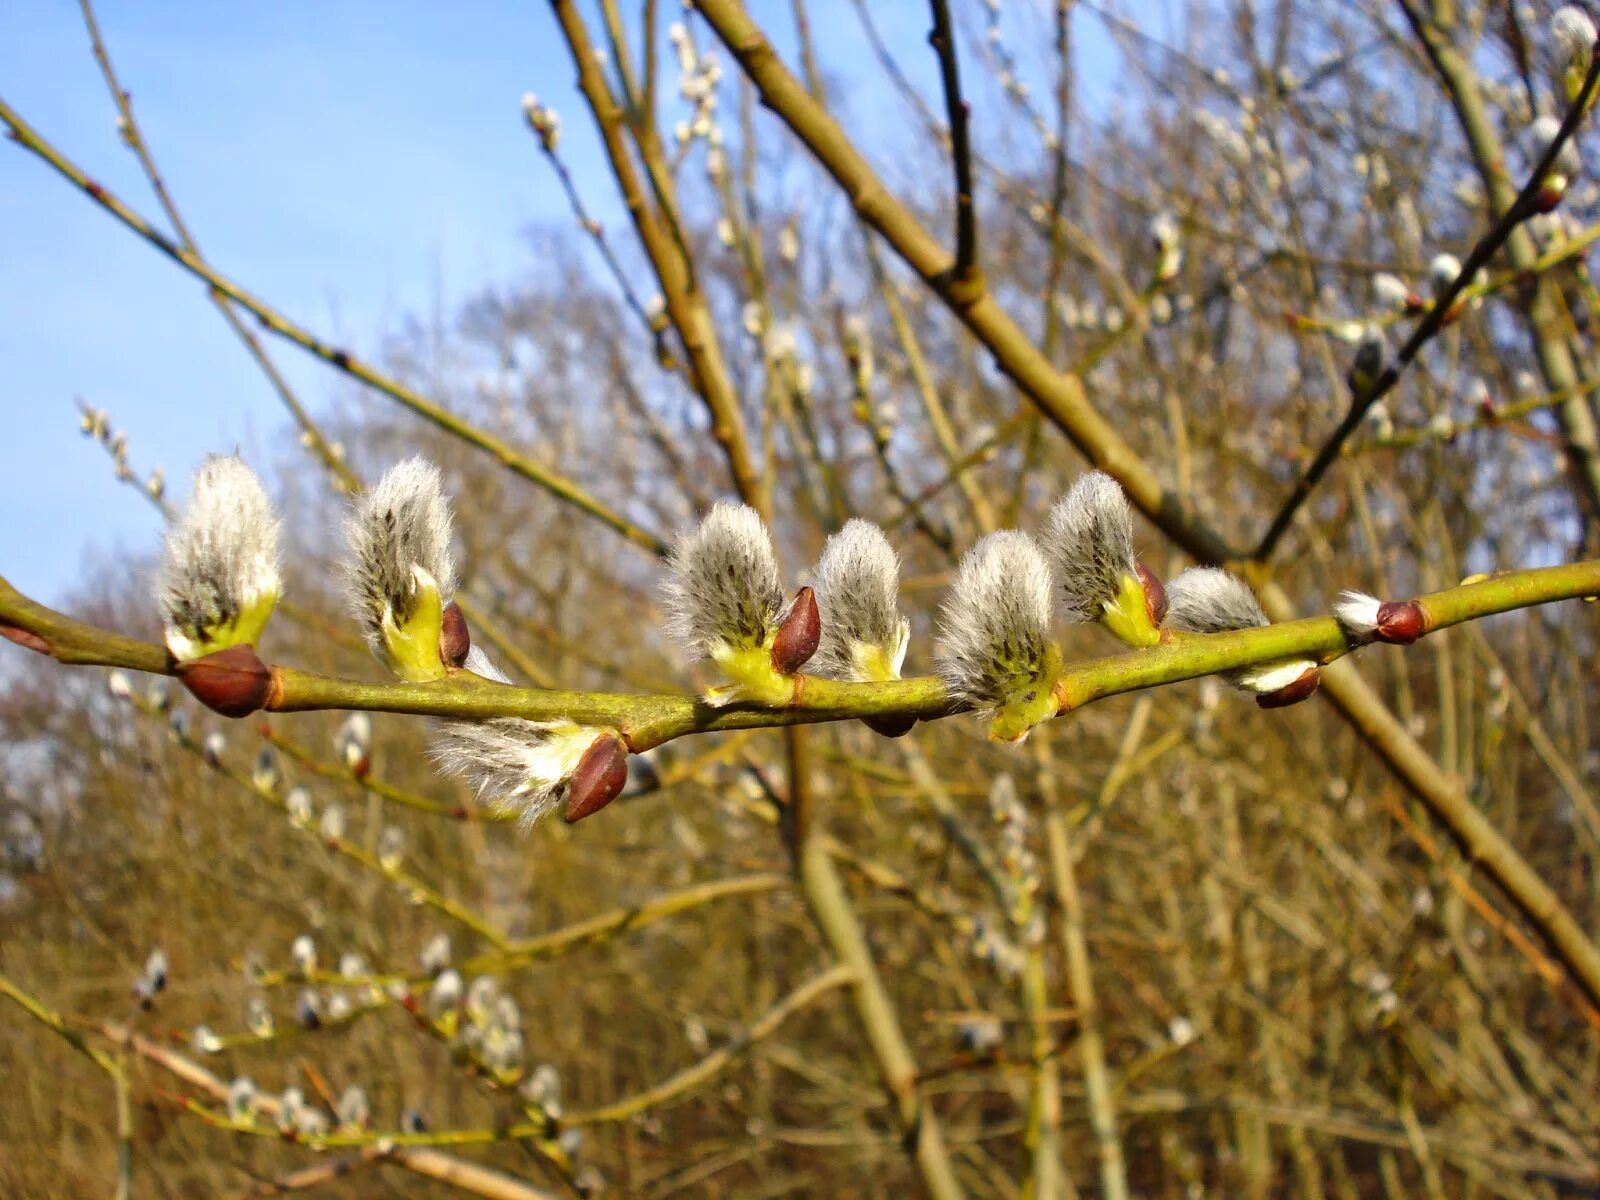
1088 540
858 594
723 587
994 630
402 522
220 554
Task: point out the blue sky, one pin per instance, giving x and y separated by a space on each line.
351 163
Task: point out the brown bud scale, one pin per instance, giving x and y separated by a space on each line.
890 726
799 634
455 639
602 773
1301 689
26 638
233 682
1155 593
1400 622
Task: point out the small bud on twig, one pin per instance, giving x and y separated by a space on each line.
455 639
798 634
599 778
1366 619
233 682
353 744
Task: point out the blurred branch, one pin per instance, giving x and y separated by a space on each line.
836 919
966 278
669 255
1524 205
718 1060
329 454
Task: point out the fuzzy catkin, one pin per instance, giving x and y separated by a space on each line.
220 556
858 594
724 587
1088 540
514 765
994 633
1210 600
401 523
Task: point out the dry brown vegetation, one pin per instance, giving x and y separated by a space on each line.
1228 952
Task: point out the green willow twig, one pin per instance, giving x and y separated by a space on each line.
514 461
649 720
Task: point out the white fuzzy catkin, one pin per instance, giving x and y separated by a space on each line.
724 588
1357 614
515 766
1389 290
1442 272
401 524
1541 135
858 595
512 765
220 556
1088 540
994 631
1572 33
1209 600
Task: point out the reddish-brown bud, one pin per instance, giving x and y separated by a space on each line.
1551 193
602 772
1415 302
1400 622
798 635
234 682
25 638
1155 593
1301 689
455 639
890 726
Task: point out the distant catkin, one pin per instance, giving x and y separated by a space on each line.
864 637
219 577
724 591
399 535
994 647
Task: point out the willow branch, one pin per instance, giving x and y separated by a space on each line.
325 451
669 257
713 1064
649 720
513 460
835 918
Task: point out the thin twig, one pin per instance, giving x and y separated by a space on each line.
513 460
965 274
